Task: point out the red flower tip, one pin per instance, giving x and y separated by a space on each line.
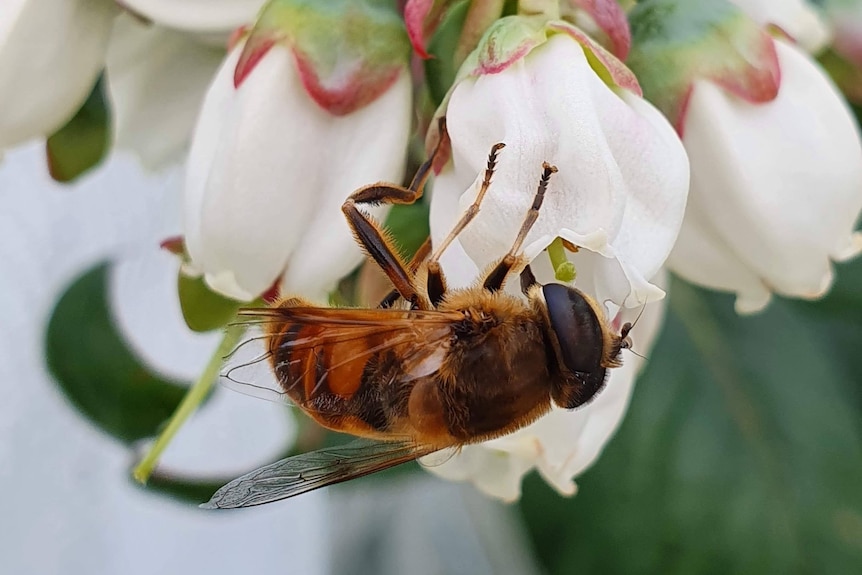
174 244
252 53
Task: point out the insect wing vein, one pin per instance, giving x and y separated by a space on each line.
303 473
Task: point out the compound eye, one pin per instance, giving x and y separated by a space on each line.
577 327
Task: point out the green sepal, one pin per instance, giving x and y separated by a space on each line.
677 42
203 309
347 52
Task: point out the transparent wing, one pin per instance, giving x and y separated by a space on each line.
350 334
247 368
309 471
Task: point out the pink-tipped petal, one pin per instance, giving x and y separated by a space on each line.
346 91
254 50
421 18
758 81
606 64
611 19
775 192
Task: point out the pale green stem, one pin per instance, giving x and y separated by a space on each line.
193 398
564 270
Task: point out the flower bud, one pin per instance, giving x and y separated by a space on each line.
51 52
314 104
775 154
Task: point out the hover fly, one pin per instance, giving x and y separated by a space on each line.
443 369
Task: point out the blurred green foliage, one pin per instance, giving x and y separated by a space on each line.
97 371
84 140
408 224
741 451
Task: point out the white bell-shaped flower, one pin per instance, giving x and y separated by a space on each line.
776 187
287 131
620 192
51 52
619 197
562 444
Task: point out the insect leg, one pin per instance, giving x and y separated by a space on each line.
436 281
497 277
379 247
528 280
388 193
421 255
372 238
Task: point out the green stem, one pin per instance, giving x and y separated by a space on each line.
564 270
193 398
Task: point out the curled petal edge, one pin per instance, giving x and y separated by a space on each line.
611 19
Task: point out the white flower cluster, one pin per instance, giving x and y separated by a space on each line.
157 57
746 179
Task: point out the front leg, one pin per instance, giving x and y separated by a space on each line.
497 276
420 256
376 243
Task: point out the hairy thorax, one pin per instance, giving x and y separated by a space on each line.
495 376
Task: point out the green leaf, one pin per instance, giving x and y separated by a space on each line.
741 453
203 309
97 371
408 224
83 141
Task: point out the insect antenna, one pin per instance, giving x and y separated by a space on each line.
625 340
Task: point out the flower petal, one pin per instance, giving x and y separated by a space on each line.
608 193
157 79
51 52
267 174
239 229
703 257
796 18
777 182
562 444
327 250
197 15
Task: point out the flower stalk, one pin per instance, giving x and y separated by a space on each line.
193 398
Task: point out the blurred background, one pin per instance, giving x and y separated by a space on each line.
741 451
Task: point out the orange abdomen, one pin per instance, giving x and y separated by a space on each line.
342 385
